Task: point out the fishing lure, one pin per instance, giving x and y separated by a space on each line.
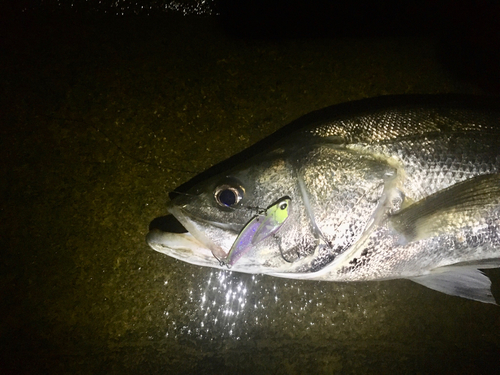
258 229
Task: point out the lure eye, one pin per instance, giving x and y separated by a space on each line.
283 205
228 195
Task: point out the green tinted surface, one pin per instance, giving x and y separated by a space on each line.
279 211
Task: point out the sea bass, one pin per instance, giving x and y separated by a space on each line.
385 188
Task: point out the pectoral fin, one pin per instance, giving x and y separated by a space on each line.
456 207
463 282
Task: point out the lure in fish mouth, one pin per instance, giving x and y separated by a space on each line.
385 188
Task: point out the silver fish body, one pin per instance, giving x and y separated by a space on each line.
385 188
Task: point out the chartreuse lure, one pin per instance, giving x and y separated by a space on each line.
257 229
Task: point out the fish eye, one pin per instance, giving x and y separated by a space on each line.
228 195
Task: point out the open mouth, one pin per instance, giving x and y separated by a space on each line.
167 223
198 229
183 240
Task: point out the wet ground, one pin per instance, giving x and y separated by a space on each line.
102 117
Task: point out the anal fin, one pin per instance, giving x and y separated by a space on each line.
461 281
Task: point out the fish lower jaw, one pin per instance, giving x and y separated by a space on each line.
182 246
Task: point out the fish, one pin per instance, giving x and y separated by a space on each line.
393 187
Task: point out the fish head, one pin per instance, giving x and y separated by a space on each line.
216 211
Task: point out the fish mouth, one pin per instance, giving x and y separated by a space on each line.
176 235
186 237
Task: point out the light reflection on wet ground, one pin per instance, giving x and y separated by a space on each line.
126 7
236 306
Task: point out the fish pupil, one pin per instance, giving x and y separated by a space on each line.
227 197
